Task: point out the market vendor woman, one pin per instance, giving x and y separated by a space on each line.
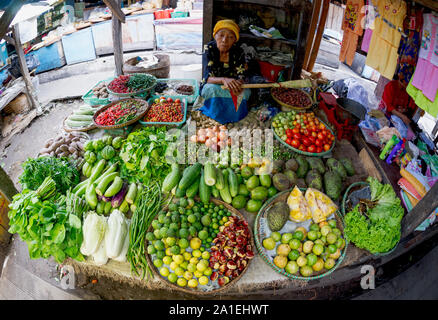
225 65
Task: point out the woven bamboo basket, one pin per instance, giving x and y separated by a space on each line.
199 292
290 107
131 94
356 186
282 196
321 154
140 113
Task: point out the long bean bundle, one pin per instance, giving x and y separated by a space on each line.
148 206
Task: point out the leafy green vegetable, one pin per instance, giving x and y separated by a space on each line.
144 155
62 170
48 224
377 227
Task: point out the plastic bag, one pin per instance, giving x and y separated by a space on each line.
32 63
267 112
400 125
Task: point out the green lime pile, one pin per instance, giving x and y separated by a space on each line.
180 241
307 252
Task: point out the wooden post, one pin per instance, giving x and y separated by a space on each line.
319 33
30 91
311 35
118 42
421 211
115 7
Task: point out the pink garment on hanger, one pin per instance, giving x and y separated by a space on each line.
366 40
426 73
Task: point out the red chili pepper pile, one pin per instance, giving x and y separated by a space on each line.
167 111
120 84
292 97
118 113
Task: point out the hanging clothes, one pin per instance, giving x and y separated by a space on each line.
426 74
430 106
369 26
382 54
352 26
409 45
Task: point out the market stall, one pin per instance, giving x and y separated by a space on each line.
142 187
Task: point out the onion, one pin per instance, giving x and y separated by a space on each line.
222 127
202 138
193 138
202 131
216 128
214 147
223 135
214 139
221 144
211 133
208 142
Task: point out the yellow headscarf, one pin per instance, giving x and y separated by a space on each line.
227 24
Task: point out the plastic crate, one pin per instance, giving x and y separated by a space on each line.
344 129
91 99
179 14
175 124
190 99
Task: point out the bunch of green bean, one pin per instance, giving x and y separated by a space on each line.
148 205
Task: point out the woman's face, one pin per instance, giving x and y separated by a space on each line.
224 39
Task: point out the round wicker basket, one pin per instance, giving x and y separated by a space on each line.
288 106
282 196
195 291
131 94
321 154
354 186
140 113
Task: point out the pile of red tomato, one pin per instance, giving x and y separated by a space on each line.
309 134
165 110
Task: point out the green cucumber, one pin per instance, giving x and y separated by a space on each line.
80 185
193 189
209 174
219 179
100 207
77 124
103 184
233 183
171 179
114 188
214 192
204 190
79 192
107 208
190 175
80 117
225 193
90 195
179 193
124 207
107 171
97 170
132 192
84 112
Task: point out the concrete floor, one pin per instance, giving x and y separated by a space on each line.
22 278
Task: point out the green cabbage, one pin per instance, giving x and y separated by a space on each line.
381 231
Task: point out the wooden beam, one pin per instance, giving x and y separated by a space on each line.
311 34
9 14
118 43
33 101
420 212
319 33
431 4
115 8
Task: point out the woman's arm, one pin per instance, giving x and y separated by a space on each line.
405 119
232 84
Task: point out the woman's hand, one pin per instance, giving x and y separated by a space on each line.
233 85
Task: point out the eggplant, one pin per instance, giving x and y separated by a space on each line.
120 196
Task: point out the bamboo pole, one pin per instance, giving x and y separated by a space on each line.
319 33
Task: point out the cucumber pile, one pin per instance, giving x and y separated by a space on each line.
104 189
81 118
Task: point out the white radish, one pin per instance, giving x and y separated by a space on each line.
194 138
